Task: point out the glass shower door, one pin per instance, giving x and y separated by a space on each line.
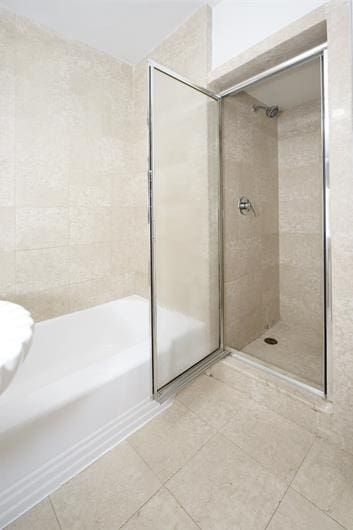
185 228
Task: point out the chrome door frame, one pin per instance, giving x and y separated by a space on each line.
184 378
319 51
169 389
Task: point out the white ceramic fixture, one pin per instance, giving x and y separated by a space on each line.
16 331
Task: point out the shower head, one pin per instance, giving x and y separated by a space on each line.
271 111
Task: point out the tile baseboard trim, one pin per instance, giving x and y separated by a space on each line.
36 486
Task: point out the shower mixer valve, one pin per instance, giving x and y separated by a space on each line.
245 206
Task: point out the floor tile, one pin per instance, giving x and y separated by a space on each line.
222 488
277 443
326 479
41 517
162 512
211 399
297 513
107 493
168 441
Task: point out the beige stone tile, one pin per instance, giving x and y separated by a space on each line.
124 284
297 513
128 221
300 215
300 150
275 442
302 250
7 181
107 493
89 225
42 182
242 329
90 189
90 261
279 396
41 227
40 517
212 400
90 293
160 513
299 350
44 303
222 488
326 479
42 268
8 228
241 257
130 255
168 441
7 270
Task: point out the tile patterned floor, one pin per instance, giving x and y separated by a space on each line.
298 352
215 460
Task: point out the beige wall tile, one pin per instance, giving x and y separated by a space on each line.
8 229
90 261
89 225
42 268
43 303
250 243
89 293
41 227
7 270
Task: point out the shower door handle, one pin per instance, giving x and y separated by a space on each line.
245 206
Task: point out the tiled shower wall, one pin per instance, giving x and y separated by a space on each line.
251 244
300 218
73 159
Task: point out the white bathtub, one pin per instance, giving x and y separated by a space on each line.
85 385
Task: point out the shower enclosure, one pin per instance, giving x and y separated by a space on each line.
247 268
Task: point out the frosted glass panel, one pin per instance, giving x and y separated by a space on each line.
185 212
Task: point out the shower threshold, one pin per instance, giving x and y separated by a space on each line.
279 373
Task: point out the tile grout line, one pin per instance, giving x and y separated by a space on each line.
218 431
320 509
55 514
291 482
142 506
163 483
182 507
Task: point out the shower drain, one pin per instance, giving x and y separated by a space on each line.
270 340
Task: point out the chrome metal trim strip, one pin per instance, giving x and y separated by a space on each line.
280 375
182 79
298 59
189 375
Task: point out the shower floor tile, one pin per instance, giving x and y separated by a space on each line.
298 352
254 469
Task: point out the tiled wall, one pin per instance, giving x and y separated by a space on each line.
300 218
251 254
66 115
73 196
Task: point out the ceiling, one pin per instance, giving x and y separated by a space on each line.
290 88
127 29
